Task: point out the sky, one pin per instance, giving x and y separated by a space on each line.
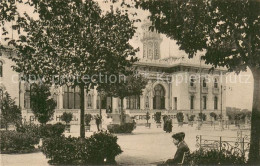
239 88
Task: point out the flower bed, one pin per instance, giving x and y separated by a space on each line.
18 142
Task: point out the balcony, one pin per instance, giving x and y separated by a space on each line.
215 91
204 90
192 89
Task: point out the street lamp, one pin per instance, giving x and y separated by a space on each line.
221 103
200 120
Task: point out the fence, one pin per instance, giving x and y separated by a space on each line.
238 145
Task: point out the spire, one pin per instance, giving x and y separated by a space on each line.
151 42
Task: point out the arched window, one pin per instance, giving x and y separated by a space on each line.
215 102
204 84
71 97
192 80
147 102
192 102
1 69
215 83
27 96
89 101
98 101
204 102
159 97
133 102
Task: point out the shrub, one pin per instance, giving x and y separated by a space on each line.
180 116
29 128
50 130
147 116
103 146
202 116
157 117
17 142
214 157
94 150
191 118
42 105
10 112
167 126
66 117
213 115
123 128
88 118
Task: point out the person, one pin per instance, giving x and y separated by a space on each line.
182 148
98 121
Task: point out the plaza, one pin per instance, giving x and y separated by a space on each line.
142 147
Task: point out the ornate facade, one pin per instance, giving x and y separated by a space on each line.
175 84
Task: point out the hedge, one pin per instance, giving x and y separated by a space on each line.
100 148
124 128
18 142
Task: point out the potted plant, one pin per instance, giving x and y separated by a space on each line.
213 116
147 117
180 118
88 118
67 118
157 118
167 126
190 119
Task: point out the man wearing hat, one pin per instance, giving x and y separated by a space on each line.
182 148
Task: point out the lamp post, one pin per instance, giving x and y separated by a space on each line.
200 120
221 103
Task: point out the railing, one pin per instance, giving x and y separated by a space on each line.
237 145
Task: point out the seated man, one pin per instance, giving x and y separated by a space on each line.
182 147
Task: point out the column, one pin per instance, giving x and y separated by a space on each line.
114 104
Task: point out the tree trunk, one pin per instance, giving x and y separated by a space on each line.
254 153
82 111
122 109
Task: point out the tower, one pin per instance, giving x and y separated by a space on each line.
151 42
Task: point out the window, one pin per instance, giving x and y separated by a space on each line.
215 102
147 102
55 98
159 97
1 69
27 96
192 80
204 102
89 101
204 84
98 101
175 103
133 102
71 97
119 103
192 102
215 83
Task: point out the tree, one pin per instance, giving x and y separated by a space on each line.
74 43
42 105
229 33
10 112
130 85
66 117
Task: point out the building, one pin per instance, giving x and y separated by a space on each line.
176 84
